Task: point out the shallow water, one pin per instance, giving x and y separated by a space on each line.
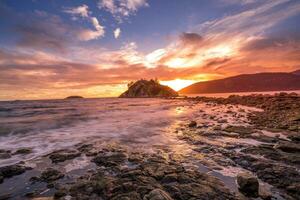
147 125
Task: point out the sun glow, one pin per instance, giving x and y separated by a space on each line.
177 84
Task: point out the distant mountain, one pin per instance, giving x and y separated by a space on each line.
296 72
151 88
260 82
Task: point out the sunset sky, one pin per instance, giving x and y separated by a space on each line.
57 48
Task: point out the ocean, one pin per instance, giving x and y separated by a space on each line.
49 125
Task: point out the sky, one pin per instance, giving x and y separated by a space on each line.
93 48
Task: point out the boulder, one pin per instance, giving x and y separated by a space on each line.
23 151
239 129
12 170
288 147
51 174
63 155
151 88
157 194
248 184
192 124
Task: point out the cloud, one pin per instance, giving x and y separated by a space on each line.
242 2
87 34
117 33
82 11
226 39
233 44
121 9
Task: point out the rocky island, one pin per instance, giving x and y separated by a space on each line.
145 88
74 97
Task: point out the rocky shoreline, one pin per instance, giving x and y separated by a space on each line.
260 148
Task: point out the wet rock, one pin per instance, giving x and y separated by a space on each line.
294 137
23 151
12 170
248 184
63 155
157 194
5 196
192 124
294 188
32 194
60 193
50 175
265 194
5 155
222 121
288 147
83 189
107 160
239 129
128 196
170 178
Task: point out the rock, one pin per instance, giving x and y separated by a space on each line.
110 159
12 170
63 155
294 188
192 124
239 129
5 196
5 155
151 88
248 184
1 179
23 151
60 193
157 194
265 194
50 175
288 147
294 138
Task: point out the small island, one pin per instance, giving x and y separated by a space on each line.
148 88
74 97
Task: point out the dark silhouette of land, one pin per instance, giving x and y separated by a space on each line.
260 82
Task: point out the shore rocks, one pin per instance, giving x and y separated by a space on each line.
50 175
192 124
63 155
248 184
157 194
5 154
281 111
242 130
12 170
289 147
126 175
23 151
107 160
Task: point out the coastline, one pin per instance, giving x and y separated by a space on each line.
235 137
